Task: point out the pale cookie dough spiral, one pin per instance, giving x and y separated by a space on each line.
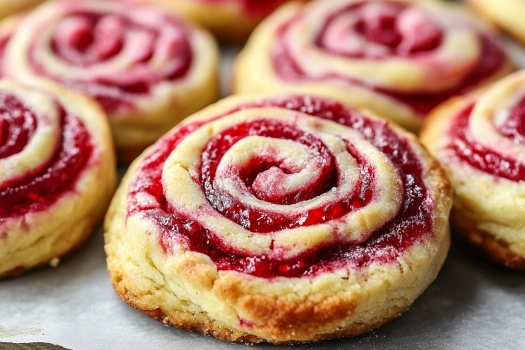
480 140
399 58
57 174
279 219
146 68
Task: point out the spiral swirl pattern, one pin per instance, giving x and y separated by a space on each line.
481 141
279 219
247 187
140 64
56 174
398 58
43 149
490 136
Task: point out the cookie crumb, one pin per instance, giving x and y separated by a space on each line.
54 262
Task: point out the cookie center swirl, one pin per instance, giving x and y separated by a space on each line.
285 187
111 51
42 151
378 30
360 199
85 39
280 172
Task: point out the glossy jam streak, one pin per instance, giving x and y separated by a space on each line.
514 126
492 58
262 221
85 39
466 148
255 8
387 25
17 125
412 224
40 189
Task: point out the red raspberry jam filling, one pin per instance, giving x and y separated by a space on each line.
417 38
37 190
412 224
16 128
255 8
469 151
262 221
86 39
397 32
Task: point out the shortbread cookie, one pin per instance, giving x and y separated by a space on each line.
279 219
146 68
57 174
480 140
399 59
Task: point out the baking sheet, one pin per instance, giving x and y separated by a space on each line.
472 305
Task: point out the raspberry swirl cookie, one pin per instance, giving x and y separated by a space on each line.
505 13
480 140
57 174
230 20
279 219
147 69
398 58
